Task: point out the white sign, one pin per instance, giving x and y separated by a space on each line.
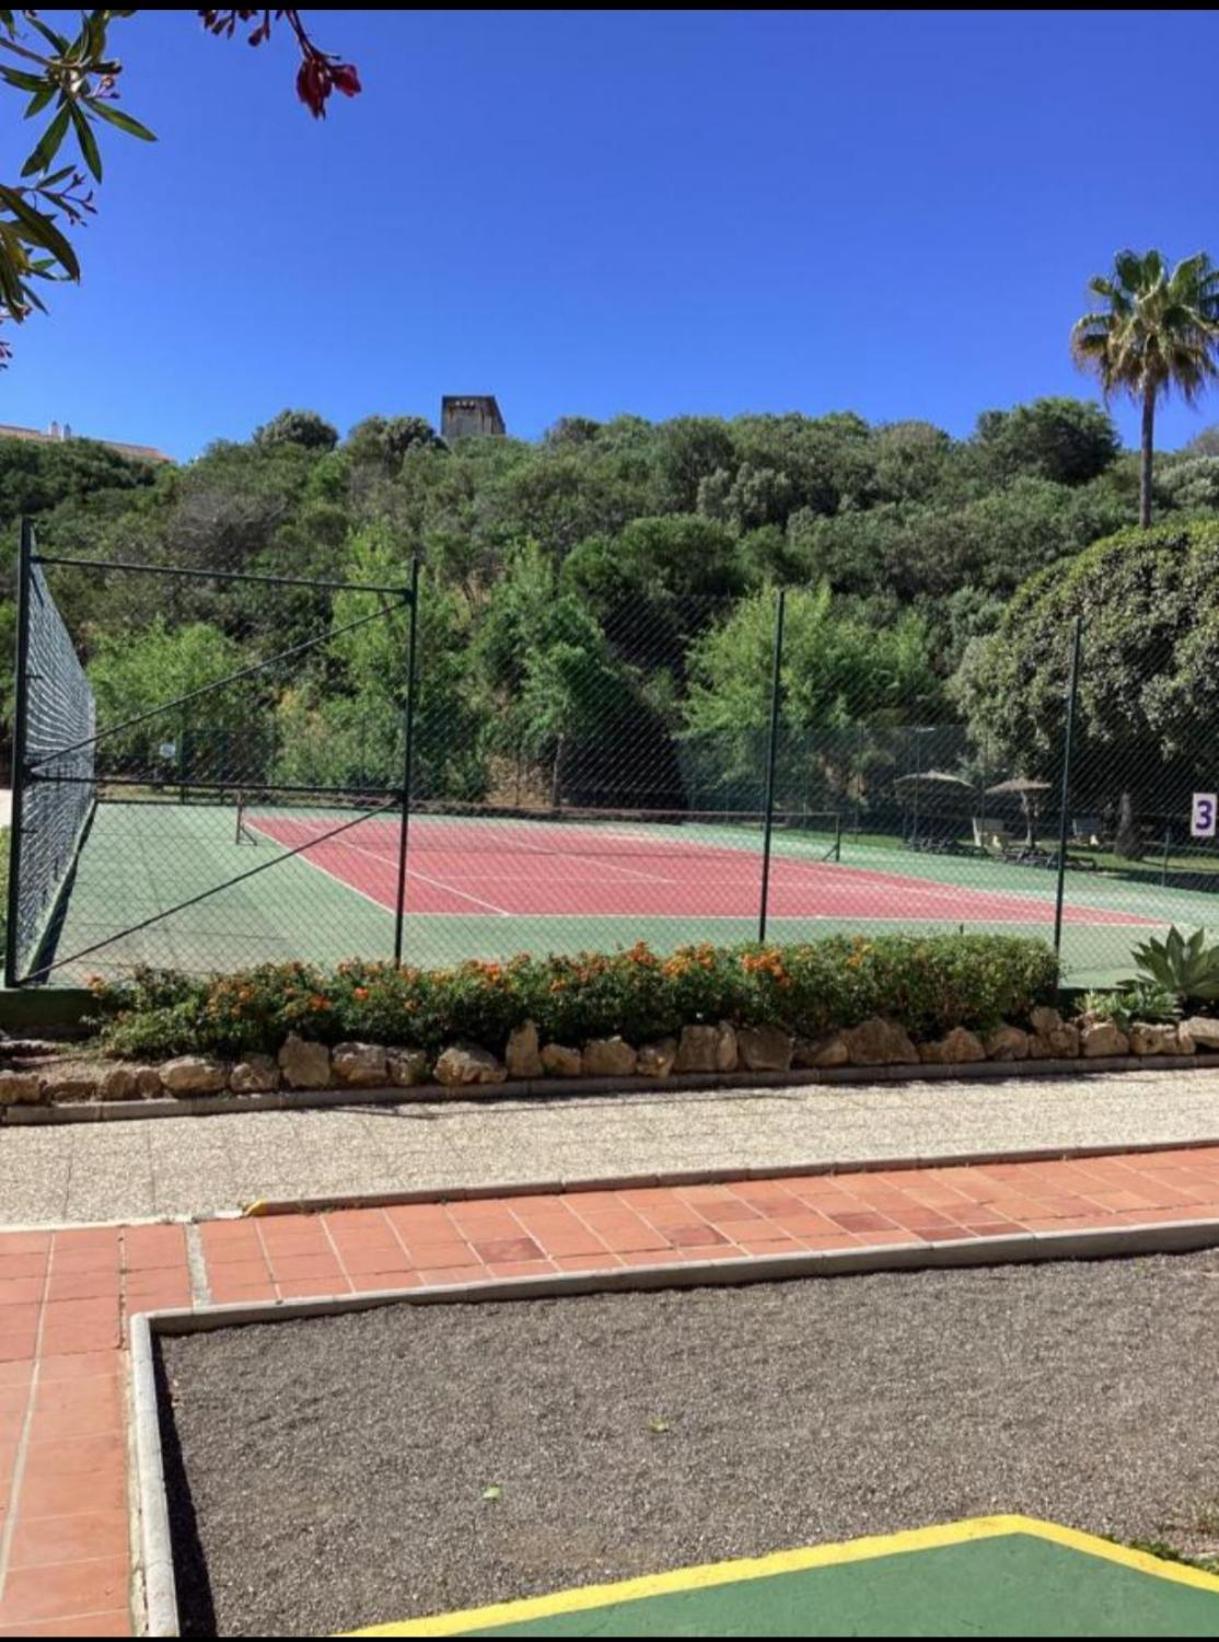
168 749
1202 816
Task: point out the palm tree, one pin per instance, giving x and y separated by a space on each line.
1157 331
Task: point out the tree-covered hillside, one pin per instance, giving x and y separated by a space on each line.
597 600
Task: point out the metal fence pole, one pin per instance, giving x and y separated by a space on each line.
407 764
768 822
12 955
1065 800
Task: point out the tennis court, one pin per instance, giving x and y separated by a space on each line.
210 886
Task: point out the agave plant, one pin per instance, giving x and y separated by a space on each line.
1187 968
1141 1000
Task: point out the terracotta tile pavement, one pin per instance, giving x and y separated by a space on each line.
65 1559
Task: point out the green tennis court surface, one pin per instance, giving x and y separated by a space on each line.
491 889
994 1576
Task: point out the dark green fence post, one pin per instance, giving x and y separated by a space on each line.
21 706
1065 799
771 753
407 763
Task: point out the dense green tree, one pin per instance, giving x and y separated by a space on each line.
213 736
1192 485
382 441
298 427
1065 440
1157 332
1149 683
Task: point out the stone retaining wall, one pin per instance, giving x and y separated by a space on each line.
706 1048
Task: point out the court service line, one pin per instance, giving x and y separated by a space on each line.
413 872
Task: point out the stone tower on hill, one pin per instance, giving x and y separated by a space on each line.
463 415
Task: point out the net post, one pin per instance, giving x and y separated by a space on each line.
1065 797
12 953
771 752
407 761
838 835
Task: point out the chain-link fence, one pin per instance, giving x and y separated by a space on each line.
257 768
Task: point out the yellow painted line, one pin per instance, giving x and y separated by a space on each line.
711 1574
1177 1572
255 1209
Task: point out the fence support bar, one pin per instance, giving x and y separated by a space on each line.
771 751
21 707
1065 799
407 761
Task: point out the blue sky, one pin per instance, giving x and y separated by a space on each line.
656 212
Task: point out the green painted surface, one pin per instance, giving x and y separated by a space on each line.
1012 1585
141 859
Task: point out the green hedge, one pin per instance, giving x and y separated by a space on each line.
927 983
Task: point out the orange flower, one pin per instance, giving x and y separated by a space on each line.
317 1003
359 993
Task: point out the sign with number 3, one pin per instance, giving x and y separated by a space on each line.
1202 818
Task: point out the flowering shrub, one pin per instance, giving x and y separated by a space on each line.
927 983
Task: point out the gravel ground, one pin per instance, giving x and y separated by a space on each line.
190 1166
337 1467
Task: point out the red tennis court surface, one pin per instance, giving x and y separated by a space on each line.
526 868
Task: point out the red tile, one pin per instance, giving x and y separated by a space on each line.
520 1268
239 1272
863 1221
84 1365
22 1291
780 1243
820 1242
693 1235
172 1294
369 1282
441 1254
230 1240
25 1242
116 1623
238 1294
40 1541
96 1258
361 1261
509 1249
448 1274
95 1586
602 1260
48 1494
323 1268
721 1214
16 1374
311 1288
83 1285
77 1457
22 1265
424 1222
359 1225
626 1232
152 1248
66 1423
565 1236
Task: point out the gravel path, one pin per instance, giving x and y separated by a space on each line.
192 1166
337 1467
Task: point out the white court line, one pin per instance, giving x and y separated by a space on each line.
387 860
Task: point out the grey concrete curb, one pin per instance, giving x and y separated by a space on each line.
1173 1237
306 1100
265 1207
156 1545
